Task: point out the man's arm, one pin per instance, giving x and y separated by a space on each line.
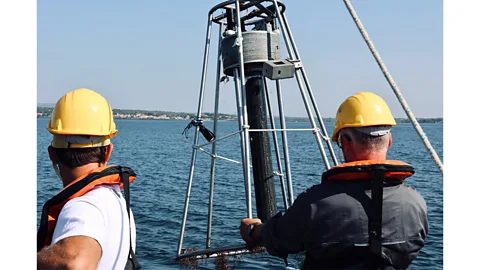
78 237
281 235
75 252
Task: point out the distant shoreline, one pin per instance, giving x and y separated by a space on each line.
45 112
398 120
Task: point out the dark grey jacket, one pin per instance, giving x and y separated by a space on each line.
330 222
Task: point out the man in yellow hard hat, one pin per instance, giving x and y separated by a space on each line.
361 216
88 224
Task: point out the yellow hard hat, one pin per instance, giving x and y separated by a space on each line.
82 118
363 109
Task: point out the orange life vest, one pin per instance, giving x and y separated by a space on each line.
361 170
51 210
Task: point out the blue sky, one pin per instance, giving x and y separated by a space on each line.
149 54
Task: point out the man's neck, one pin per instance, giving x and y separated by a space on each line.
69 174
378 156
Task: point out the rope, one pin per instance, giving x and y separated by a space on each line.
393 85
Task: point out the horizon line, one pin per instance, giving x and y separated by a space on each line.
51 105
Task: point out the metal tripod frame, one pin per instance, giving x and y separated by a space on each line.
276 12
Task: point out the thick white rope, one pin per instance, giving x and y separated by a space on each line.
394 86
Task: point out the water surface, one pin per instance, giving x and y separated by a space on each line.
160 155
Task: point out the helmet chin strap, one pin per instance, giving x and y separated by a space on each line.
340 152
56 168
340 155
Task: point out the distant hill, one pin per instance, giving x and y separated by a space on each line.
46 109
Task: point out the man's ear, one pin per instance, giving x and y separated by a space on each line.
108 152
53 156
390 140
